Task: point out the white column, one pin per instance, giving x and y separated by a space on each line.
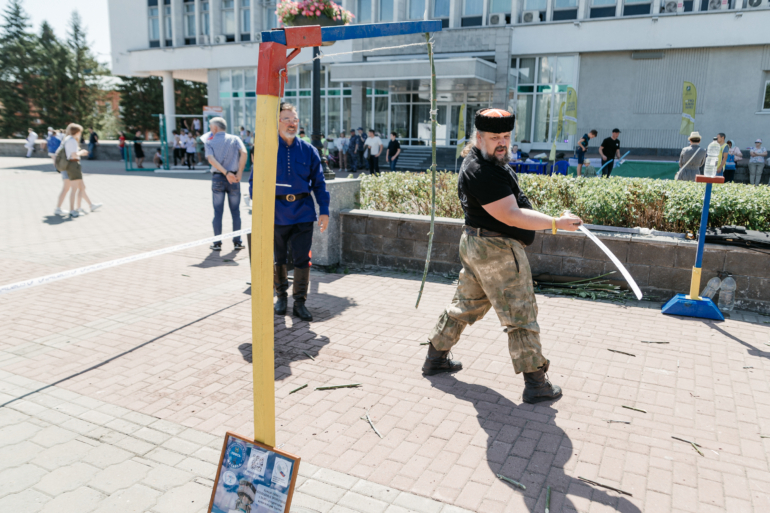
198 31
399 13
237 14
484 13
582 9
549 10
515 11
215 8
619 9
177 22
655 7
455 13
169 107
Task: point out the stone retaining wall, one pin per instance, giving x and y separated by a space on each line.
662 266
105 150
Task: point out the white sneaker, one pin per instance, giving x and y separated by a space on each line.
61 213
94 206
74 213
82 212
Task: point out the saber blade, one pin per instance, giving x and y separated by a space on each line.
623 270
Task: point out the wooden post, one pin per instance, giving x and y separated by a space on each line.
272 59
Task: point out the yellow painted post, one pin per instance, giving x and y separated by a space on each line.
263 218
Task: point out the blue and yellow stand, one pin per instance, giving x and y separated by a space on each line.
693 305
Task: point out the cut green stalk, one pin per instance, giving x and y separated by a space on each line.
683 440
604 486
309 355
509 480
694 447
298 389
352 385
424 343
621 352
433 124
653 342
618 422
635 409
548 500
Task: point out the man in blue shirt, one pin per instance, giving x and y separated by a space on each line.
227 156
297 175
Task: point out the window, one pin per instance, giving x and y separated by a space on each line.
636 7
364 11
565 10
189 22
245 20
237 97
228 18
766 103
205 19
498 6
386 10
540 87
441 9
167 25
416 9
472 13
154 26
536 5
603 8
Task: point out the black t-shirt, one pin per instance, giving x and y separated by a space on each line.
584 141
93 138
482 182
610 147
393 147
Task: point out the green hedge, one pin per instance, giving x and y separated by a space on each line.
665 205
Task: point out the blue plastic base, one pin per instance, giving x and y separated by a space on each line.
703 308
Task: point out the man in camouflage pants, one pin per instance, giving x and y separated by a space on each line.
499 223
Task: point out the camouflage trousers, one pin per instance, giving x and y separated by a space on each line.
495 274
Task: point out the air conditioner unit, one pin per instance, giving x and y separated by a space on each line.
715 5
497 19
203 39
671 6
758 4
222 39
532 16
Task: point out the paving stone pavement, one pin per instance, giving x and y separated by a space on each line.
169 339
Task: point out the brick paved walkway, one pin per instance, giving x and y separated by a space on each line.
170 338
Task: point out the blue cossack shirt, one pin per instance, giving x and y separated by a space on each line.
298 171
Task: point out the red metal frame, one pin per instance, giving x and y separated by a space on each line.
271 72
709 179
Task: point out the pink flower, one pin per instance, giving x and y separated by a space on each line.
317 12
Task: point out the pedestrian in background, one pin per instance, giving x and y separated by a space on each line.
582 148
353 144
734 151
227 155
138 150
360 148
757 162
157 159
723 149
30 144
609 151
53 142
74 172
178 148
374 145
342 143
394 150
199 147
93 140
189 149
122 145
691 160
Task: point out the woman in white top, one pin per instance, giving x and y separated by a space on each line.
757 156
190 150
30 144
74 172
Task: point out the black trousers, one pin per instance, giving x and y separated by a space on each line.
608 168
178 155
300 236
374 165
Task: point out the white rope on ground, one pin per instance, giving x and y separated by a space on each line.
114 263
322 55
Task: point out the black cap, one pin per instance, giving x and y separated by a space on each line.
616 130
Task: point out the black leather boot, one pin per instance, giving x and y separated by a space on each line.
281 285
537 388
437 362
301 282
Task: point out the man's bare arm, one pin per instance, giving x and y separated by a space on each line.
507 211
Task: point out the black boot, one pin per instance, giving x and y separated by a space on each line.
537 388
437 362
301 282
281 285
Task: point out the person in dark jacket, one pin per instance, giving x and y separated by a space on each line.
298 174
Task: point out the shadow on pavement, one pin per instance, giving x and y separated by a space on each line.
525 444
752 350
217 259
54 220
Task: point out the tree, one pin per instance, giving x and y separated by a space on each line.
50 95
18 56
190 97
85 72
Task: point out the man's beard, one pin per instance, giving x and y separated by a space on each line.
500 161
287 135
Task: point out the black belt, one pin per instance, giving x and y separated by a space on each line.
293 197
481 232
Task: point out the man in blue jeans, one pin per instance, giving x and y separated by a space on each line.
227 156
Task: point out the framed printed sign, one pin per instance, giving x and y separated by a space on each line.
253 478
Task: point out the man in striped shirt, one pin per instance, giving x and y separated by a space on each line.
227 156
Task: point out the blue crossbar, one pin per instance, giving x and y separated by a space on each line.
343 32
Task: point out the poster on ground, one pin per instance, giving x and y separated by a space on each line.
253 478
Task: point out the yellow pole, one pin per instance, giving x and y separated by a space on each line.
263 219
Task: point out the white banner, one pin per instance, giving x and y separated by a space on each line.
114 263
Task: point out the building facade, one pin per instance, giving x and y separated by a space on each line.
627 60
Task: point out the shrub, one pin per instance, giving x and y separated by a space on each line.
665 205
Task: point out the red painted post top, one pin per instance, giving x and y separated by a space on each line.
272 59
303 37
709 179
